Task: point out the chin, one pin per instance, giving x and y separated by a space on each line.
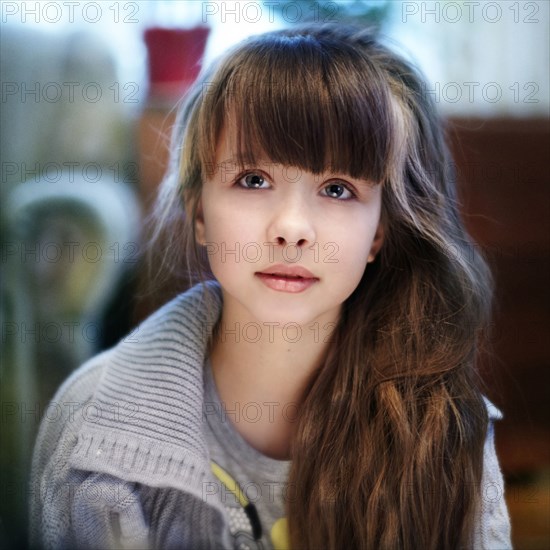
287 316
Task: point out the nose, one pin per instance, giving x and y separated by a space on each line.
292 221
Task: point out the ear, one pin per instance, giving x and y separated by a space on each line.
377 242
200 230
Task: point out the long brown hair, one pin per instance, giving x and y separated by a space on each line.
388 450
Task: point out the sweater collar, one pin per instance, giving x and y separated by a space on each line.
144 422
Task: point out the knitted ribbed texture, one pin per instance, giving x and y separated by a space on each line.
127 463
145 417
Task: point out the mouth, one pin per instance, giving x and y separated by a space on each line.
287 279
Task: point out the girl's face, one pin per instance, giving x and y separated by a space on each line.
258 223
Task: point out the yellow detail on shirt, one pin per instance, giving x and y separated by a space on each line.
279 535
229 482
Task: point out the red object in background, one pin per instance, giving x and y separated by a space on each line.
174 59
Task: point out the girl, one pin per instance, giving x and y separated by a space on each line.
318 388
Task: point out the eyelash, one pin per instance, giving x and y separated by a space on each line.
347 187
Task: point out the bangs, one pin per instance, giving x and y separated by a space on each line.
295 100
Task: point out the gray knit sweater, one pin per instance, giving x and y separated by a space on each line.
127 463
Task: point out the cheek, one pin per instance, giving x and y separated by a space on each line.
221 226
226 219
228 235
352 243
215 218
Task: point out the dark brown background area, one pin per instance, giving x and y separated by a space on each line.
503 180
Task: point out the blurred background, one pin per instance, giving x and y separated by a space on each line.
88 96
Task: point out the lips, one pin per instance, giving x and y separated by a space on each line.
284 278
290 272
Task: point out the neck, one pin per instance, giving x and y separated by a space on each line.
262 371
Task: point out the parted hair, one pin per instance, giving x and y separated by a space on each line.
388 449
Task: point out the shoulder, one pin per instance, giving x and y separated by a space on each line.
64 411
493 528
86 403
52 482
